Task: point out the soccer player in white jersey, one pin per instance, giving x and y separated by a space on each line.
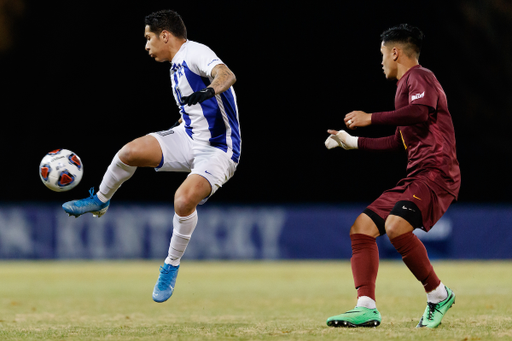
206 142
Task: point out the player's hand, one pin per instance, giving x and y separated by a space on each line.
341 139
356 119
198 96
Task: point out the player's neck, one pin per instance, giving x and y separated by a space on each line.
404 66
174 46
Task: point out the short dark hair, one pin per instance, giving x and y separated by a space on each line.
406 34
166 20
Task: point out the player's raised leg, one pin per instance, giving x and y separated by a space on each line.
191 192
365 264
414 255
141 152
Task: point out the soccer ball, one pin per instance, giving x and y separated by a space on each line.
61 170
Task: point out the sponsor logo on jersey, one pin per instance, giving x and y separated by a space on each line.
418 96
177 68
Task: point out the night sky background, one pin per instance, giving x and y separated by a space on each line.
75 75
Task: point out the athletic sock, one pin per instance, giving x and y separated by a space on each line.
117 173
365 264
437 295
415 257
367 302
181 234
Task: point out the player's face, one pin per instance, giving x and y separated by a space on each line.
389 64
155 45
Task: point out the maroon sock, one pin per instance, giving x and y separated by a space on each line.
415 257
365 264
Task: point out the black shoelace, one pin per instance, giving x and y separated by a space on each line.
432 308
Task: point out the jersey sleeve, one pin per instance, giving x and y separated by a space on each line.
408 115
381 144
203 60
421 89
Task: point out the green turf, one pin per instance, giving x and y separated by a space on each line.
242 301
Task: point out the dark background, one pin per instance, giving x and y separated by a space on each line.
75 75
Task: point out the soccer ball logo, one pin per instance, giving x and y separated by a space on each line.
61 170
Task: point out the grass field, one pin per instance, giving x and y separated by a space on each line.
242 301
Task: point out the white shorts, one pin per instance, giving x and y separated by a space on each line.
182 154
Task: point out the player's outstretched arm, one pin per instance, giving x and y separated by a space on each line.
341 139
382 144
223 79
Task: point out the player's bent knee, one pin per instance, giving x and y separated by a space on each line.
396 226
127 154
364 225
191 192
184 205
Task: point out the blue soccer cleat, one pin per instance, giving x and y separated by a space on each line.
88 205
164 287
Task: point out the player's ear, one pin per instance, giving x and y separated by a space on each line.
395 52
165 35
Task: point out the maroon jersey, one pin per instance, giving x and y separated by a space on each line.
428 139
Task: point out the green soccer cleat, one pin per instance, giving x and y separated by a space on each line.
357 317
435 312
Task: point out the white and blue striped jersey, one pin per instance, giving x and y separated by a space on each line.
215 121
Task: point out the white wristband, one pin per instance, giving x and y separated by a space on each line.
343 140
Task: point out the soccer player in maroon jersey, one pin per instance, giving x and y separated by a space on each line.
425 131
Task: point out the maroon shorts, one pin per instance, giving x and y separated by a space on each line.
419 200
